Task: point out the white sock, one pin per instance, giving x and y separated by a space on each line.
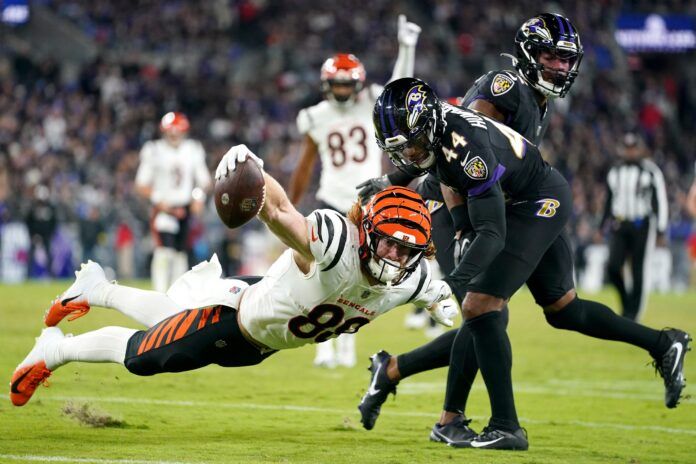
145 306
345 345
107 344
161 268
179 266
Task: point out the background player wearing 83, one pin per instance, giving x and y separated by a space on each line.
519 99
339 130
174 176
338 275
518 206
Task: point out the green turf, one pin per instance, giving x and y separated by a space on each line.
581 400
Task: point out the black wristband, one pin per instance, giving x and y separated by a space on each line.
460 218
399 178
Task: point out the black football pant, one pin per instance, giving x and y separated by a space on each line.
634 241
192 339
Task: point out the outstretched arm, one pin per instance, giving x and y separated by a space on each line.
281 217
408 38
278 213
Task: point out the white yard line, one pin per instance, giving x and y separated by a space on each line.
626 391
290 407
39 458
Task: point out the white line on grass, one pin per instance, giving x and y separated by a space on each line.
30 457
645 392
290 407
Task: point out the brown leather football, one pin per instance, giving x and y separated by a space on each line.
239 196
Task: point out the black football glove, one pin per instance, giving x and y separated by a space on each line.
371 186
461 245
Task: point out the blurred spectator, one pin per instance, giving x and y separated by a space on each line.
241 69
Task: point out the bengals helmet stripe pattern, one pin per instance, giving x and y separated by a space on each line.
178 326
400 212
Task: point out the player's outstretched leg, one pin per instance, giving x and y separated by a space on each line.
667 347
671 365
32 371
92 289
74 302
378 391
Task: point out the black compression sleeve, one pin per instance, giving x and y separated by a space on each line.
487 213
399 178
460 218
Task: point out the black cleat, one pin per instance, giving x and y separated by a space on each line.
671 365
496 439
377 392
456 433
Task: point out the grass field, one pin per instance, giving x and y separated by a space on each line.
580 399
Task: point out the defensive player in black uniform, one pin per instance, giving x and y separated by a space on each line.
518 206
523 100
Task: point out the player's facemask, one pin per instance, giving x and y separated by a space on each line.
399 215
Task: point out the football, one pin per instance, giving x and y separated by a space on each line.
239 196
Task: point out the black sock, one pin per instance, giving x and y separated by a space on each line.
432 355
463 368
494 355
462 371
596 320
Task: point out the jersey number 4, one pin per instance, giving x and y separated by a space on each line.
337 146
323 322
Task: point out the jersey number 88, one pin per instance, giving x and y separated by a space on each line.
323 322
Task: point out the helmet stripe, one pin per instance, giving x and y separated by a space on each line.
381 120
391 116
560 24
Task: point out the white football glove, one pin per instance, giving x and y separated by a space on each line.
408 32
437 291
443 312
236 154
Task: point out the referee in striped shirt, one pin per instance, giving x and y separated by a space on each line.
636 208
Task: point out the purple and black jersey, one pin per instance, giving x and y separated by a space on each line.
516 100
513 97
477 152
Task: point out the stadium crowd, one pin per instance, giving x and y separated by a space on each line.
241 69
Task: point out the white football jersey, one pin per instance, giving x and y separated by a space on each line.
287 308
346 144
173 172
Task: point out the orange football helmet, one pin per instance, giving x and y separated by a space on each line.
174 122
399 214
342 68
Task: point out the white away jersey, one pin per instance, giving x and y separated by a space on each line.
287 308
346 143
173 172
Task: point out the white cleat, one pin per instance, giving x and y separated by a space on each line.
75 300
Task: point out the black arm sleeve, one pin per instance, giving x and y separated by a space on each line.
487 213
399 178
461 219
